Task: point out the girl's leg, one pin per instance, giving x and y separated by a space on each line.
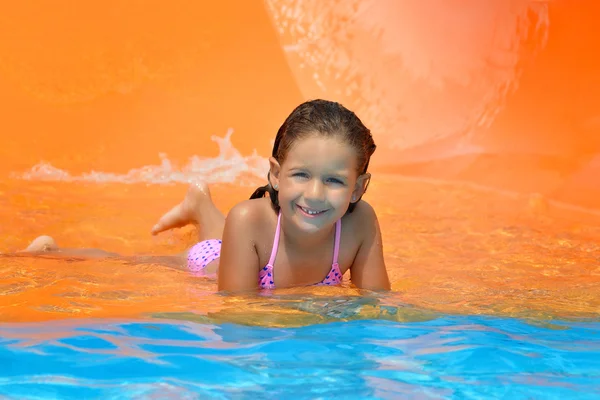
45 244
196 208
47 247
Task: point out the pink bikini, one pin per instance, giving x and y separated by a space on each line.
334 277
206 251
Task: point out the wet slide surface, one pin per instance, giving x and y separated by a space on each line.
484 113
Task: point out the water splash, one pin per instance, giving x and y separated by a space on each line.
227 167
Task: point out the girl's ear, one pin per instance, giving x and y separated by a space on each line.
274 171
362 183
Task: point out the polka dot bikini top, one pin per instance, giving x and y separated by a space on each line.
334 277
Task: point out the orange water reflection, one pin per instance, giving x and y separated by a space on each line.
448 248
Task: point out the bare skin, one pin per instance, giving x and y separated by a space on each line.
197 208
249 237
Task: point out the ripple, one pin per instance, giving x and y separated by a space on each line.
448 356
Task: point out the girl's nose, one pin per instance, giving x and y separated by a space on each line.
315 191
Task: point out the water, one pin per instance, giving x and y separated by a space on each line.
89 113
464 357
229 166
106 329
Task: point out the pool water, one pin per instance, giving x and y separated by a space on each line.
495 295
459 357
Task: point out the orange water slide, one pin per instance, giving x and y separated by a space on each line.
501 93
545 138
108 85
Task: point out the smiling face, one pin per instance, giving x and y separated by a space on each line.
317 181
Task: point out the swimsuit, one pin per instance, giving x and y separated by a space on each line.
202 254
207 251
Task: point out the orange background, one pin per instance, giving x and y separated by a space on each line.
108 85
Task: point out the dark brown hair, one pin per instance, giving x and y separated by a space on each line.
326 118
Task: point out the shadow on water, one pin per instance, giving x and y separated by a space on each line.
303 310
295 310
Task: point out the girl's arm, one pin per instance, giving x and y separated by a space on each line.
368 270
238 265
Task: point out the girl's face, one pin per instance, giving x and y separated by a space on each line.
317 181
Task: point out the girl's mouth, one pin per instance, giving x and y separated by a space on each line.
309 212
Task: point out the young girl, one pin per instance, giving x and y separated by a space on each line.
312 228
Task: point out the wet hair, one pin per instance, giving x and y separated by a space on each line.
327 119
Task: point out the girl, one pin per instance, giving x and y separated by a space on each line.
312 228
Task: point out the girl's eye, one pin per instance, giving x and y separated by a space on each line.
301 175
335 180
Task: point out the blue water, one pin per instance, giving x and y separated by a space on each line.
444 357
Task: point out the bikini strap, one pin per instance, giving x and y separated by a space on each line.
338 234
275 242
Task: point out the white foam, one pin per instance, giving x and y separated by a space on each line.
230 166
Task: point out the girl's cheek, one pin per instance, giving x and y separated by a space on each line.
340 198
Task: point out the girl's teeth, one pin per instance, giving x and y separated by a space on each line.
310 211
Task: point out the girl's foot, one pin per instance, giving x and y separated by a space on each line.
41 243
196 208
45 244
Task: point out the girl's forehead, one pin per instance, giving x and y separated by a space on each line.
323 151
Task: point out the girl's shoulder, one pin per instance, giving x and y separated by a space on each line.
361 224
250 213
362 213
